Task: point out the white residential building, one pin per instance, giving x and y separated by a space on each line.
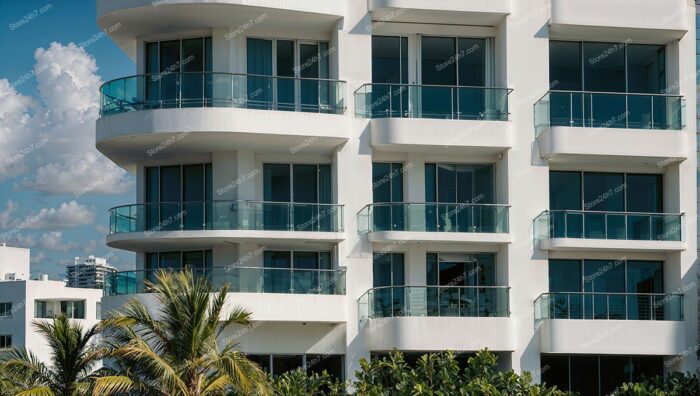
88 272
420 175
24 301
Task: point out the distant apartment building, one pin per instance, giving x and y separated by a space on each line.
89 272
24 301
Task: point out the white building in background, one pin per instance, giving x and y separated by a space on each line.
88 272
421 175
24 301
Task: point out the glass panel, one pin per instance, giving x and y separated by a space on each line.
305 216
438 67
584 375
646 68
645 367
614 370
602 276
169 68
565 66
277 281
194 195
277 187
170 193
564 190
604 65
170 261
332 364
192 61
259 62
555 371
308 66
283 363
285 68
644 193
604 192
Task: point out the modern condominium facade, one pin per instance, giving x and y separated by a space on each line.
418 175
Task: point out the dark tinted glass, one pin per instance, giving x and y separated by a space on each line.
285 58
170 56
152 58
646 68
332 364
644 193
305 183
170 260
193 55
471 55
283 363
170 184
565 65
386 59
438 65
645 276
277 182
615 370
564 190
152 184
193 180
604 191
604 276
584 375
647 367
555 371
564 275
604 67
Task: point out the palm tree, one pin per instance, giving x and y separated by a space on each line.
72 371
175 350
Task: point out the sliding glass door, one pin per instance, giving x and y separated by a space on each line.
387 187
389 96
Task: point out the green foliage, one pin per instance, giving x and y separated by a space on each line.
436 374
675 384
298 383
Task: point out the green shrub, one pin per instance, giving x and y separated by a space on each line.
675 384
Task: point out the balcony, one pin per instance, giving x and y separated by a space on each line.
401 316
401 114
603 322
140 112
140 18
623 231
616 128
435 222
459 12
272 294
650 20
241 280
135 227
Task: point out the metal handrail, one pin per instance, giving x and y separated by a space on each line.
653 305
226 201
432 86
612 212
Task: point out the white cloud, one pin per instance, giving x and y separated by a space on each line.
67 215
56 138
38 258
102 228
54 241
90 247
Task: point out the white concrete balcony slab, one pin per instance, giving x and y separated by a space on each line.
140 114
436 119
611 129
433 318
267 307
435 223
462 12
610 323
138 18
650 20
612 231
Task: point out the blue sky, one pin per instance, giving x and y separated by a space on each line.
55 188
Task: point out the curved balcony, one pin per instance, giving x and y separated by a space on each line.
206 89
135 227
434 222
240 280
624 231
135 19
603 323
272 294
220 112
401 316
613 128
460 119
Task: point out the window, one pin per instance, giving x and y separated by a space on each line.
452 272
454 187
5 309
297 272
597 192
287 60
73 309
388 270
597 375
387 187
176 194
197 260
47 309
567 278
5 341
308 186
98 311
279 364
165 60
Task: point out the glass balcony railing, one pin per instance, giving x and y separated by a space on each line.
434 217
226 215
609 110
432 101
606 306
240 280
629 226
447 301
206 89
